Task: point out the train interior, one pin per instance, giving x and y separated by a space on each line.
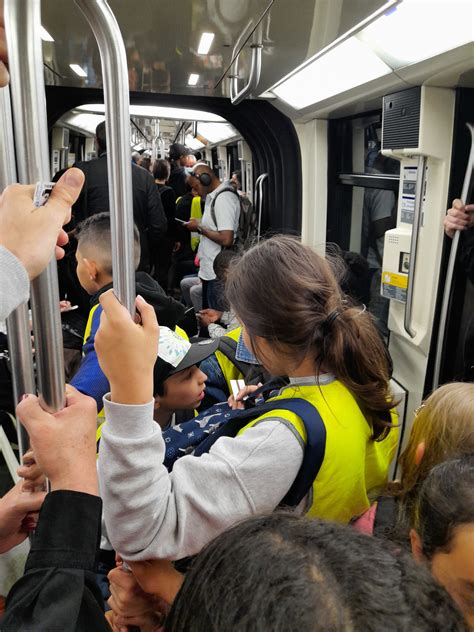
340 104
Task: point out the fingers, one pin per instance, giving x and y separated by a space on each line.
76 398
28 502
147 314
59 253
30 413
113 308
65 193
63 238
31 473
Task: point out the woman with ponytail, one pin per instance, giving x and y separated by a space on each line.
298 323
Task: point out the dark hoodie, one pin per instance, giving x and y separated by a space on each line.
90 379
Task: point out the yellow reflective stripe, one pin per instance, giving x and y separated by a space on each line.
196 213
88 328
229 370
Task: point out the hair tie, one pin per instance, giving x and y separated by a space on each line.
327 324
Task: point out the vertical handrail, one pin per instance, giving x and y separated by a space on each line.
18 323
22 26
259 187
420 181
119 165
448 284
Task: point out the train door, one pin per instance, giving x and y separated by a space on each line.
387 197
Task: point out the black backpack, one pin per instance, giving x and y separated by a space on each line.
247 230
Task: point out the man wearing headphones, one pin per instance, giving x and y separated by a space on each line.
215 233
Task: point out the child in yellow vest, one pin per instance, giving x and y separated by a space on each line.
297 322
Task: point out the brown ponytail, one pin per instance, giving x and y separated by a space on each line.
286 293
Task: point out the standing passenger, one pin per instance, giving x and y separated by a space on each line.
162 255
296 321
218 228
147 208
178 158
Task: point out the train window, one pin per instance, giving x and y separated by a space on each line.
363 193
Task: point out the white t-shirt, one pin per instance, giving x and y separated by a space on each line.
227 211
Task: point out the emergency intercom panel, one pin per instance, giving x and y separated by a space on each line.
397 243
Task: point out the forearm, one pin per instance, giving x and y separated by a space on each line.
218 237
171 516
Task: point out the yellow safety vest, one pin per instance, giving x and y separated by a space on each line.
196 213
355 468
229 370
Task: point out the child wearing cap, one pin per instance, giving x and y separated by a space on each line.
179 384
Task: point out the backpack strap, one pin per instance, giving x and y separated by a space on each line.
315 445
228 348
213 203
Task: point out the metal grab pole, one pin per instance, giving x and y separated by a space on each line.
119 166
448 284
22 26
18 325
259 186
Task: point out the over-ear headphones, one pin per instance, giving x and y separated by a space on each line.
204 178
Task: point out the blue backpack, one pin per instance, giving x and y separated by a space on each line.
198 435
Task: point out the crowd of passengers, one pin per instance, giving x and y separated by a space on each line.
269 510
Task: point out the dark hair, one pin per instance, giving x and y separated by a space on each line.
94 232
158 386
284 292
445 501
223 261
101 137
161 170
288 573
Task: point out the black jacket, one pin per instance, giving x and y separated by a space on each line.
177 179
148 211
58 592
168 311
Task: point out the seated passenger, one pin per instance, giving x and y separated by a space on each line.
94 270
179 384
218 322
284 573
295 320
443 531
442 429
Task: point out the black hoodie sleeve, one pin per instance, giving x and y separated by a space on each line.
168 311
156 221
58 590
466 257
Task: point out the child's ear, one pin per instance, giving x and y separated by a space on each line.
416 546
156 402
91 268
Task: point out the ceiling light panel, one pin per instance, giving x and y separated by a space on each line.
193 143
78 70
160 112
45 36
419 29
205 43
216 132
193 79
343 67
